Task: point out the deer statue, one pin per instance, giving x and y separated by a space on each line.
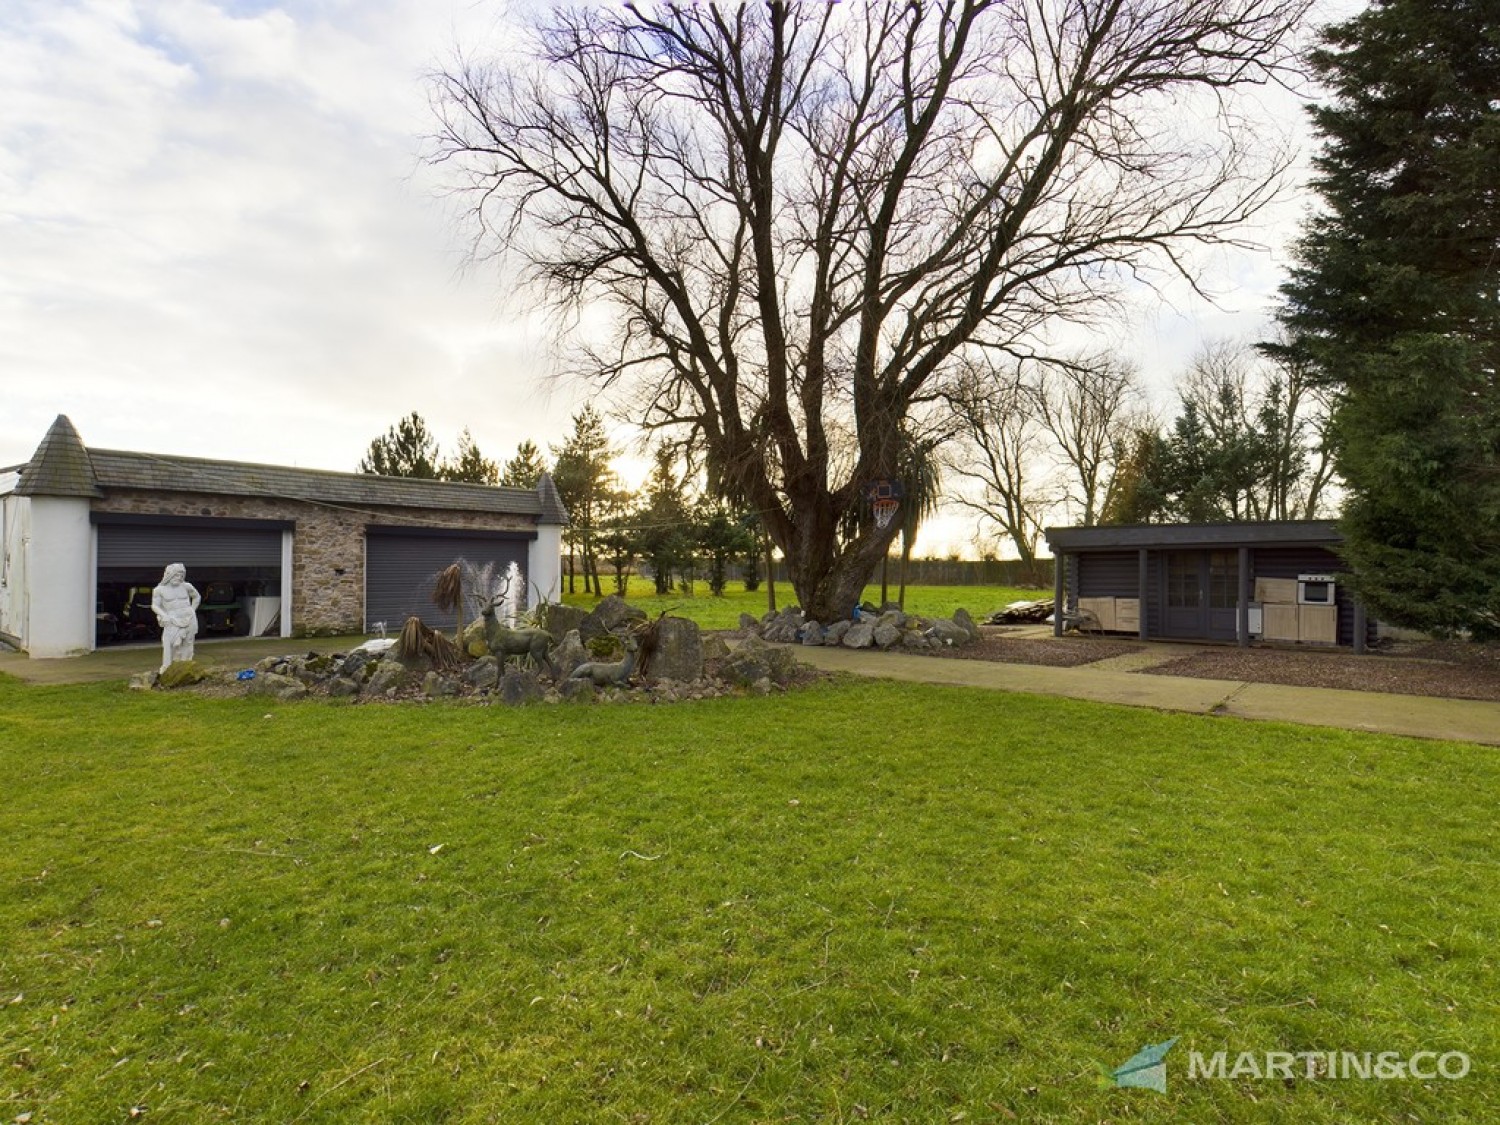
533 644
608 673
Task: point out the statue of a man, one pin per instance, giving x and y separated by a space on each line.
175 603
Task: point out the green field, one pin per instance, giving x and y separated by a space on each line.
855 902
724 612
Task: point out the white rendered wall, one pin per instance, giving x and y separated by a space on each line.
544 566
61 573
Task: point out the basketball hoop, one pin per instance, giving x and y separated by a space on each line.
885 501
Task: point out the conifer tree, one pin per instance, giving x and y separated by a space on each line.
1396 303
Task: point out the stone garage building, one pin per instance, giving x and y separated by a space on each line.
290 552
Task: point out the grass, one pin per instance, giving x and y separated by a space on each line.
724 612
865 901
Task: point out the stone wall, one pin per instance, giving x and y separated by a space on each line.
327 539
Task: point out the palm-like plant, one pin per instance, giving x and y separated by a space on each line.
922 481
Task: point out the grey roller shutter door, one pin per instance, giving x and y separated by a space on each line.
154 546
400 571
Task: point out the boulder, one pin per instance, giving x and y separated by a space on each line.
769 616
834 634
476 638
886 636
483 673
812 634
143 681
560 620
277 686
891 617
578 691
965 622
945 633
388 676
436 685
182 673
269 663
750 624
679 651
611 614
748 663
341 686
784 628
355 663
913 639
783 665
715 648
520 686
861 634
569 654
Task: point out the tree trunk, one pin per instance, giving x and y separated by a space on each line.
905 558
830 586
885 579
770 575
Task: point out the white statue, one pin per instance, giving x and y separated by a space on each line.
175 603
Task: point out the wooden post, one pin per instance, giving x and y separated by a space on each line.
1361 626
1142 587
1242 599
1059 592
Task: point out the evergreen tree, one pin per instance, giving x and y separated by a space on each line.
470 466
525 468
1395 303
722 535
405 450
585 482
664 534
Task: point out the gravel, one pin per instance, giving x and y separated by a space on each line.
1449 670
1070 652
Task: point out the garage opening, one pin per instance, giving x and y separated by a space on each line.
236 566
403 563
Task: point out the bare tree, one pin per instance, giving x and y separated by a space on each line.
1000 454
1090 405
800 214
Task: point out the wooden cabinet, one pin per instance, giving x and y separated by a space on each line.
1317 624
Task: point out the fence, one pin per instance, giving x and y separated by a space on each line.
919 572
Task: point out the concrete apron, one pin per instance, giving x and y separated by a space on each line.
1418 716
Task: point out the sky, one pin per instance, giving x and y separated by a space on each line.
218 239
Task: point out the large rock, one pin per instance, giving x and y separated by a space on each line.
784 628
436 685
887 636
962 619
812 634
860 635
341 686
715 648
276 686
751 625
749 663
476 638
569 654
143 681
892 617
679 651
610 615
387 677
560 620
483 673
834 634
354 665
946 633
183 673
520 686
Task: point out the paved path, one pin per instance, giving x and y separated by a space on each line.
1110 681
1113 680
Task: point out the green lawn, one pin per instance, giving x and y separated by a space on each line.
724 612
863 901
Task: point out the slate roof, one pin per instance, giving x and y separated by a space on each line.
1262 533
553 511
159 473
60 466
